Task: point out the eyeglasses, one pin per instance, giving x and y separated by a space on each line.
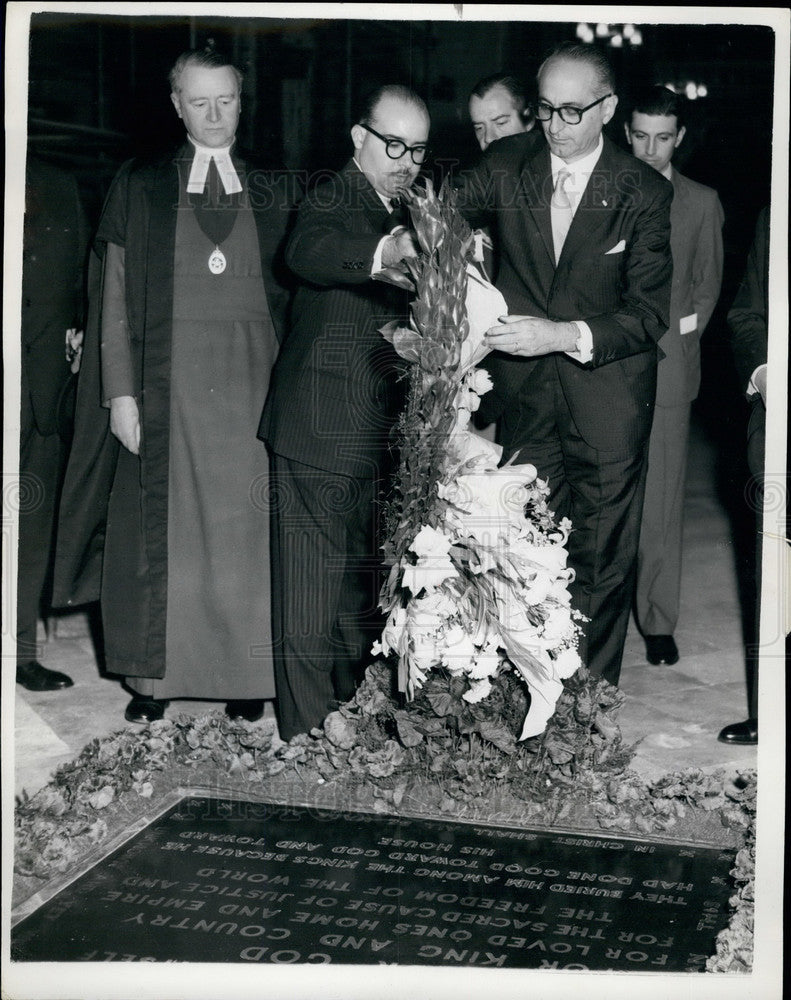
395 148
568 114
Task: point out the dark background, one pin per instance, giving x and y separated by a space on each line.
99 94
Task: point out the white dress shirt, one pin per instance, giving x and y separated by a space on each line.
377 261
580 172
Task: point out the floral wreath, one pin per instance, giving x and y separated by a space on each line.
478 580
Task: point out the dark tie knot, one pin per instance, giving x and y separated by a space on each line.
399 215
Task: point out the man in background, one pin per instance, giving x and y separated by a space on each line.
748 321
55 243
334 400
655 130
498 107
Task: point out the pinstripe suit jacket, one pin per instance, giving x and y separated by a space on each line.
614 272
335 393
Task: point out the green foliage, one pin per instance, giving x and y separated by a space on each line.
433 345
735 943
58 825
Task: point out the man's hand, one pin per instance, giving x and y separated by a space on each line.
74 338
400 246
125 422
530 336
759 381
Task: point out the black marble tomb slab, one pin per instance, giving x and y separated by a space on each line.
217 880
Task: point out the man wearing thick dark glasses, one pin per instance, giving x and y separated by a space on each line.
334 399
585 268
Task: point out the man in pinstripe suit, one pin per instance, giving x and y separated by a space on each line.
585 267
333 401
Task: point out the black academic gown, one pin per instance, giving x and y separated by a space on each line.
140 213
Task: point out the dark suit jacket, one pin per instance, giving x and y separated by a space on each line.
55 242
335 393
748 319
696 219
614 273
748 316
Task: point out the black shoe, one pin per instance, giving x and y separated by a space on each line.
742 733
144 710
661 649
249 709
34 677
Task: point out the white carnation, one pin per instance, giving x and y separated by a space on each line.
486 663
481 381
558 626
478 691
430 542
567 662
458 650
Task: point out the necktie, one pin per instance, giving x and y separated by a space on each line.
562 212
398 216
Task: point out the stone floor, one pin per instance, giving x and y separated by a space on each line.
676 712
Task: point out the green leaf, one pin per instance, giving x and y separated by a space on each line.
431 726
407 733
392 276
644 824
340 731
560 751
499 735
407 344
102 798
399 791
444 703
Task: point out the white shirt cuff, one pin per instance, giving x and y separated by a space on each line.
584 350
752 388
377 262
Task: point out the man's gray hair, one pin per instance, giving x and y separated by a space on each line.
578 52
207 57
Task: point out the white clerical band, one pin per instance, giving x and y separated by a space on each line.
225 168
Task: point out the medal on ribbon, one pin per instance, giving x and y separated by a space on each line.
217 261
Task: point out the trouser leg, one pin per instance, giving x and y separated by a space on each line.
39 465
659 553
756 453
324 574
602 493
606 502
